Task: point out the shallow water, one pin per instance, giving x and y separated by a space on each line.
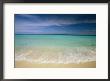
55 48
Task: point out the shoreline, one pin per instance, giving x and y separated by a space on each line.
24 64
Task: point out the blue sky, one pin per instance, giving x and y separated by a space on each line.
75 24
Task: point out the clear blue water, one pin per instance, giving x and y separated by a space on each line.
54 40
55 48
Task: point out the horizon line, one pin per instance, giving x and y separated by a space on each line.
55 34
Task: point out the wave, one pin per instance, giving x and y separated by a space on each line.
56 55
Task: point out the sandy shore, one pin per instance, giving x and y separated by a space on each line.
24 64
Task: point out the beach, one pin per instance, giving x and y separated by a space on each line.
55 51
24 64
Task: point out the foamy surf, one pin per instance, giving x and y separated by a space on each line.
56 55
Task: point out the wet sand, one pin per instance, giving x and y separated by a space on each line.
25 64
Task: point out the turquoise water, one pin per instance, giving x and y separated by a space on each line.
55 48
54 40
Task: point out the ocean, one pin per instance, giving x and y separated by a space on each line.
58 49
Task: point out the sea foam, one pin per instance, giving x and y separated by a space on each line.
56 55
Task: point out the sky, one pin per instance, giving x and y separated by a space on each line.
75 24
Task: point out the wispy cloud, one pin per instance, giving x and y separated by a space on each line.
35 20
32 23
